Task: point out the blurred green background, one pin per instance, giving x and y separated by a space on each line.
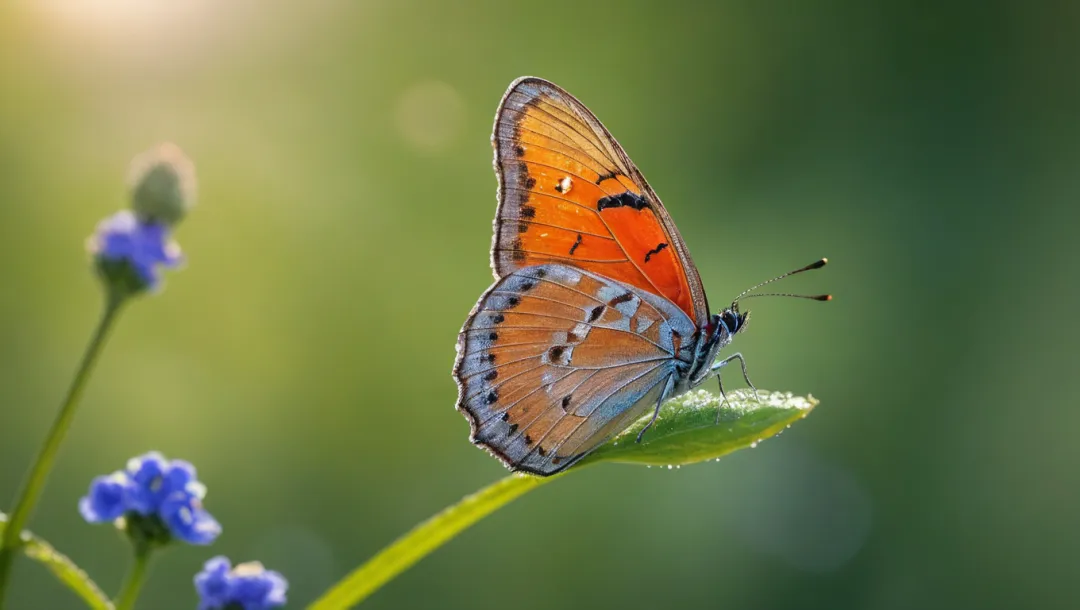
302 360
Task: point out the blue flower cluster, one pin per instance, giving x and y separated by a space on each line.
163 492
125 242
248 586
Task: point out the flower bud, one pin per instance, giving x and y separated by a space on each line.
162 185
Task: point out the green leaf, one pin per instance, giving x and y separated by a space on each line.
685 432
63 568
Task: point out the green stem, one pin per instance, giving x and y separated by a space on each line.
136 576
35 482
423 539
686 432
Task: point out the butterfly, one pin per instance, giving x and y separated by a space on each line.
597 313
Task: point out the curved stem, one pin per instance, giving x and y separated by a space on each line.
34 484
136 576
422 540
685 433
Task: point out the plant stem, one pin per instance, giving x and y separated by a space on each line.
423 539
136 576
35 482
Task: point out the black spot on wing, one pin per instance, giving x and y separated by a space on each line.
596 312
576 244
517 251
524 179
626 199
655 250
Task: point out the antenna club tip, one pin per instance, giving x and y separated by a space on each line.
824 260
828 297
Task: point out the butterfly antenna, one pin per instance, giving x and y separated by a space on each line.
818 264
812 297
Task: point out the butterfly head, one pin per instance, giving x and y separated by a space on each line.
732 320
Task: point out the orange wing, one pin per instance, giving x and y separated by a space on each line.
569 194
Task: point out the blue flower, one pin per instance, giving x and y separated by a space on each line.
214 583
249 586
160 499
147 473
129 251
106 501
185 517
155 478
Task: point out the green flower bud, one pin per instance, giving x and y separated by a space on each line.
162 184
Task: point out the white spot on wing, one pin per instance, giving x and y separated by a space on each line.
665 336
629 308
606 293
644 323
582 330
564 275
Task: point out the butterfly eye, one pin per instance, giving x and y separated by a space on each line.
731 321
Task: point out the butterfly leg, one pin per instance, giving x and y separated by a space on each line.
716 369
668 387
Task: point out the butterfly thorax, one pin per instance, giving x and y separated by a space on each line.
716 335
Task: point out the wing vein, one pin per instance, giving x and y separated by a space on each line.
554 226
556 448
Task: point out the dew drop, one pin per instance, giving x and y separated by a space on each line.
753 445
669 466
